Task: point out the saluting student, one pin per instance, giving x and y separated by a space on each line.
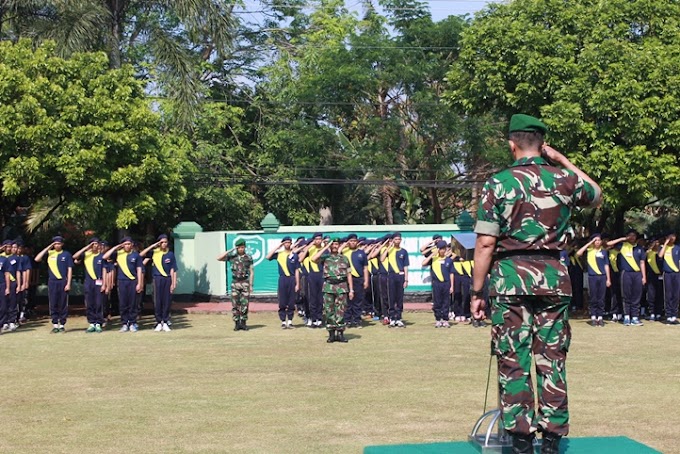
164 273
60 268
130 282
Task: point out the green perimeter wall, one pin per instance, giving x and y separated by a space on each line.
201 274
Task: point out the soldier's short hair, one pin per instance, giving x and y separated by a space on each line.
526 140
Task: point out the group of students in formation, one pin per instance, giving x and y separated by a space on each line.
333 282
629 278
120 269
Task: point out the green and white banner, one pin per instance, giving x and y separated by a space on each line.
267 275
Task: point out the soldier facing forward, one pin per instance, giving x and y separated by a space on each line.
336 288
242 275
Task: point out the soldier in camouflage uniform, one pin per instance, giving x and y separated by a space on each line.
524 217
336 288
241 282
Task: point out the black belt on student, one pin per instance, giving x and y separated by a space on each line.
336 281
238 279
536 253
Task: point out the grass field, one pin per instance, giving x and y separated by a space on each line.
205 388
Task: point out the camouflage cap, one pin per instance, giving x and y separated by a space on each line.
526 123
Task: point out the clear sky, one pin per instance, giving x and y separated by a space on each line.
251 11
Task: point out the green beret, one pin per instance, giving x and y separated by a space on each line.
240 242
335 240
527 123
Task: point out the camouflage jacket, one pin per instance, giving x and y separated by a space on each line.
335 272
240 265
527 207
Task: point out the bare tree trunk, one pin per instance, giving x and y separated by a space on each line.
117 8
387 205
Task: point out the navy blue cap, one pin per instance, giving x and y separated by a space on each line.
126 239
18 242
441 244
632 231
300 239
317 235
342 240
7 243
162 237
595 235
352 236
57 239
286 238
396 235
436 236
362 239
104 243
93 240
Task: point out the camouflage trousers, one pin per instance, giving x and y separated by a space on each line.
526 327
334 305
240 294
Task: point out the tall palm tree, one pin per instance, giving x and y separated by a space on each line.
166 40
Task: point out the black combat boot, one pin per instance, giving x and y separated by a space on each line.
341 337
244 327
331 336
522 443
551 443
237 325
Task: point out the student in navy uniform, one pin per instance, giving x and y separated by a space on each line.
441 271
109 273
164 272
654 281
15 270
26 265
373 269
289 280
301 301
94 288
60 269
397 278
599 276
383 284
615 299
633 276
358 267
314 281
670 255
4 291
130 282
575 270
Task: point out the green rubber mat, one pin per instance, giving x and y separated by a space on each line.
591 445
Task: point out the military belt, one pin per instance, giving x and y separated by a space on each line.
550 254
239 279
336 281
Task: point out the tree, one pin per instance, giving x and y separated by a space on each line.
83 136
171 43
604 76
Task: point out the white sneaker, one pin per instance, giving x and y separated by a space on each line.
283 325
399 324
446 324
159 327
166 328
290 324
438 324
124 329
309 323
392 324
12 326
5 327
134 328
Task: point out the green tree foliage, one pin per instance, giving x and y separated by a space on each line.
83 136
605 77
350 96
173 44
